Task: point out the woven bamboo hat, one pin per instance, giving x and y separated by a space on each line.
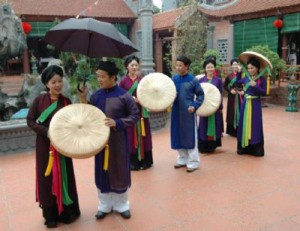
156 92
245 56
212 100
78 131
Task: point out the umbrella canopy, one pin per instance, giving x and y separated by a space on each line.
89 37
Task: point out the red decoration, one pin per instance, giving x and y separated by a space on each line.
278 23
26 27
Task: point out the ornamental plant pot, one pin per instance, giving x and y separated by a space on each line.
158 120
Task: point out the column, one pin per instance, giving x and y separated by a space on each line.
145 11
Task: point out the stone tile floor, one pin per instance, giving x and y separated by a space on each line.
228 192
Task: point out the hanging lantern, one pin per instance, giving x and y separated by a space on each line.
278 23
26 27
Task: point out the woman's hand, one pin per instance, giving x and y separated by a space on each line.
252 83
233 91
241 92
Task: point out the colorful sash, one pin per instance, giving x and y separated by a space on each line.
57 165
211 127
139 128
247 121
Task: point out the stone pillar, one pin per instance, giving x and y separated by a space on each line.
210 37
145 10
158 53
26 66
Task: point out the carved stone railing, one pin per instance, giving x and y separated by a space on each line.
158 120
16 137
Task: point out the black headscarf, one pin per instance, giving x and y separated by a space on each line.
129 59
49 72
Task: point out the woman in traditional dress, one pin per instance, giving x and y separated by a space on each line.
210 128
55 188
235 96
140 139
250 130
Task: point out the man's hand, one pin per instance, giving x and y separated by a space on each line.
109 122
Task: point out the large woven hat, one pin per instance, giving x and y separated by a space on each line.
212 100
78 131
156 92
245 56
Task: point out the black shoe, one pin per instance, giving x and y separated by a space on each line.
70 219
144 167
134 168
240 152
100 215
126 214
51 224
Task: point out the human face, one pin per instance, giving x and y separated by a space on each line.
252 70
133 68
235 67
104 80
209 69
181 68
55 86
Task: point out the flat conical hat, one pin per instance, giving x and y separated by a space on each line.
78 131
156 92
212 100
264 61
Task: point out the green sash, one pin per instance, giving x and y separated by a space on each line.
233 81
211 128
145 113
236 106
45 114
266 69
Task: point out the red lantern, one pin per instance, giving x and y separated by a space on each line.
26 27
278 23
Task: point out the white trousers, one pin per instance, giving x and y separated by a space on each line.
189 157
113 201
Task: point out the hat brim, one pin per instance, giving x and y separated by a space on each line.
78 131
156 92
245 56
212 100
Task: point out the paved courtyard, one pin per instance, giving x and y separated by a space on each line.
228 192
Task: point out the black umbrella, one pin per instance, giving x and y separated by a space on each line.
89 37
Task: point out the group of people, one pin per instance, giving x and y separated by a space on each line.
130 138
244 113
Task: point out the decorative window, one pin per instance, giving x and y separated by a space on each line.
223 50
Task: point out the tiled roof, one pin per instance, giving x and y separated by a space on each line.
247 7
167 19
70 8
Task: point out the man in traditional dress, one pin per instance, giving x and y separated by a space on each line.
112 165
183 118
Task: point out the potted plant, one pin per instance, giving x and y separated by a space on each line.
291 71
